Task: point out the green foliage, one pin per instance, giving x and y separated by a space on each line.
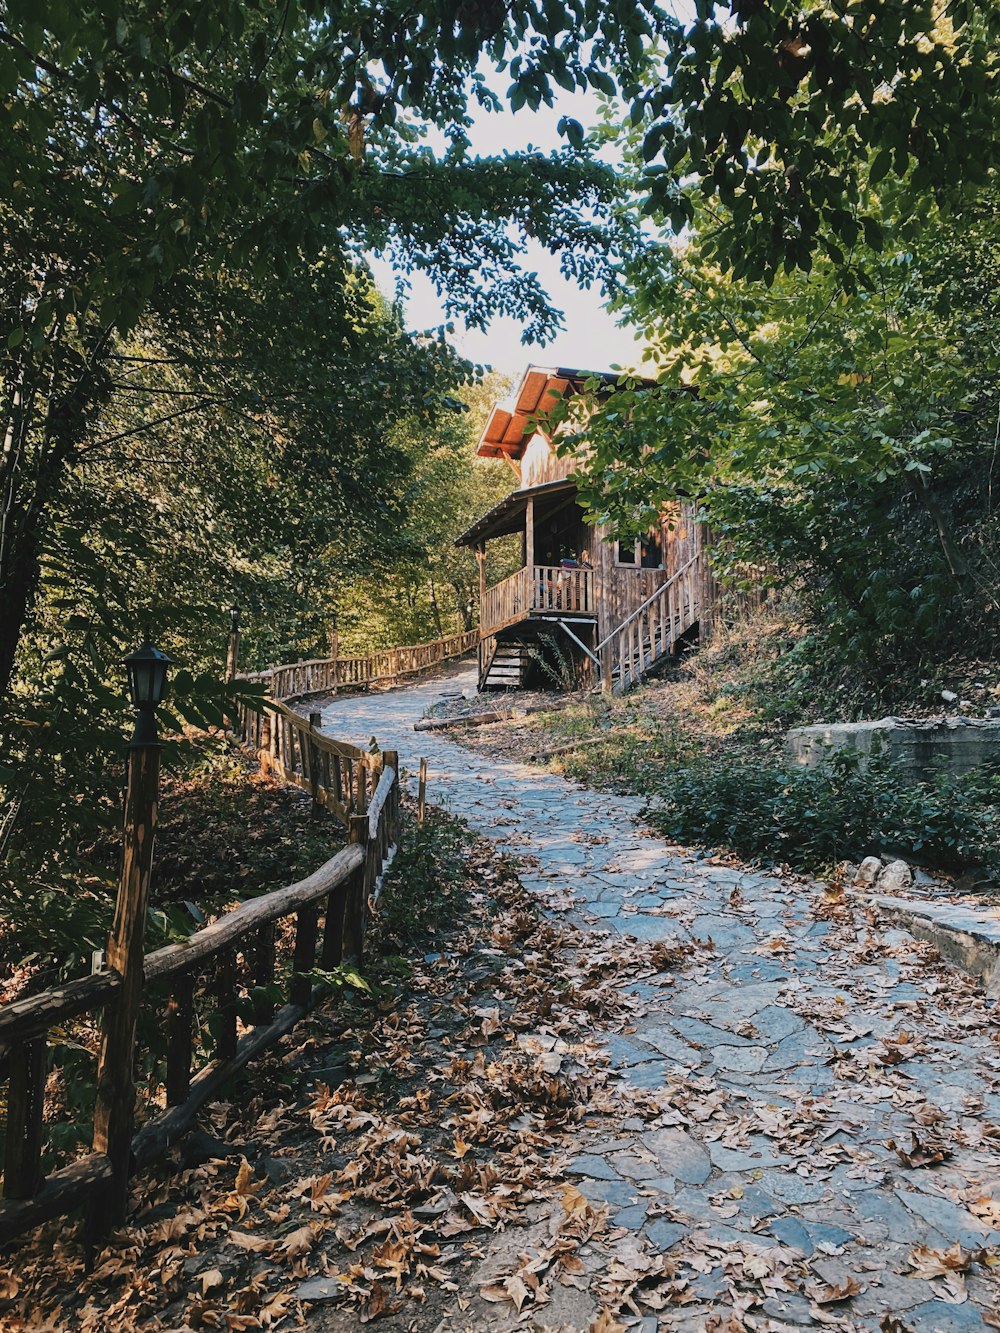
555 661
812 818
423 884
795 119
839 434
418 585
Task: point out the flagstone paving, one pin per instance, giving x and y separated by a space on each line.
817 1099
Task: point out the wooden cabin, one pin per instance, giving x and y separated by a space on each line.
612 608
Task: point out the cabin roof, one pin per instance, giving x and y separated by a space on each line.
508 515
512 423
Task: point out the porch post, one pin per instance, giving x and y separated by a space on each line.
481 562
529 533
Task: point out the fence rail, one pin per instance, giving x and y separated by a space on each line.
227 970
544 589
652 629
298 680
293 749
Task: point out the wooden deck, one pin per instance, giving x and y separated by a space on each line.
538 590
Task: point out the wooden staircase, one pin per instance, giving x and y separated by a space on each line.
503 665
653 630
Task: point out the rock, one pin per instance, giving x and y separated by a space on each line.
320 1289
663 1233
868 872
680 1155
790 1231
896 875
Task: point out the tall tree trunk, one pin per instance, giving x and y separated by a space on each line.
957 564
434 607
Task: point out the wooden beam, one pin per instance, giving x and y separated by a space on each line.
32 1017
61 1193
251 915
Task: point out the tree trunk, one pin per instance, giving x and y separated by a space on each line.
434 607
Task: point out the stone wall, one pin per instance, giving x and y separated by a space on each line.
919 746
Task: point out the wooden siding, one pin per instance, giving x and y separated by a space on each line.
540 463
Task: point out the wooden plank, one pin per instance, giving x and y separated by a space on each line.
179 1022
382 793
354 922
304 958
157 1136
33 1016
225 994
250 916
25 1103
263 972
62 1192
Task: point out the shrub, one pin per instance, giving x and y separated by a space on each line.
812 818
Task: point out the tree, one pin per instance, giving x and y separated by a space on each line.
781 123
141 149
841 438
425 587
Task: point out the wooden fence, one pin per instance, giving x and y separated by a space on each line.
326 675
204 984
293 749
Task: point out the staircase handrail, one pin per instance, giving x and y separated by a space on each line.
649 600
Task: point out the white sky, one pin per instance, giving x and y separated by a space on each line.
592 339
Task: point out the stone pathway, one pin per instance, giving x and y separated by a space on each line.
823 1100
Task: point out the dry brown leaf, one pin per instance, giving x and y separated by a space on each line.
378 1304
929 1263
920 1153
299 1242
834 1292
211 1279
246 1241
606 1323
573 1201
952 1289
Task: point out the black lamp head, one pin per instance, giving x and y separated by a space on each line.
147 675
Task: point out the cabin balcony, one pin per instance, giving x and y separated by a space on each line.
538 591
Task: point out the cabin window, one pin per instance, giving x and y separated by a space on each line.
647 552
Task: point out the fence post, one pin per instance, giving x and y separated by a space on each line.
390 759
422 794
315 722
233 650
265 744
354 923
114 1108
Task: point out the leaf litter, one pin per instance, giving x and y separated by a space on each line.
404 1158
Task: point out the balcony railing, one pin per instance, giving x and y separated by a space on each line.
538 590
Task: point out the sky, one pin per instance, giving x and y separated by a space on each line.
591 340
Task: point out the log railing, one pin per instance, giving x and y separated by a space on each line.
293 749
298 680
226 972
652 629
542 589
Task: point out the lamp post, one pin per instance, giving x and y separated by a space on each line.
115 1104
